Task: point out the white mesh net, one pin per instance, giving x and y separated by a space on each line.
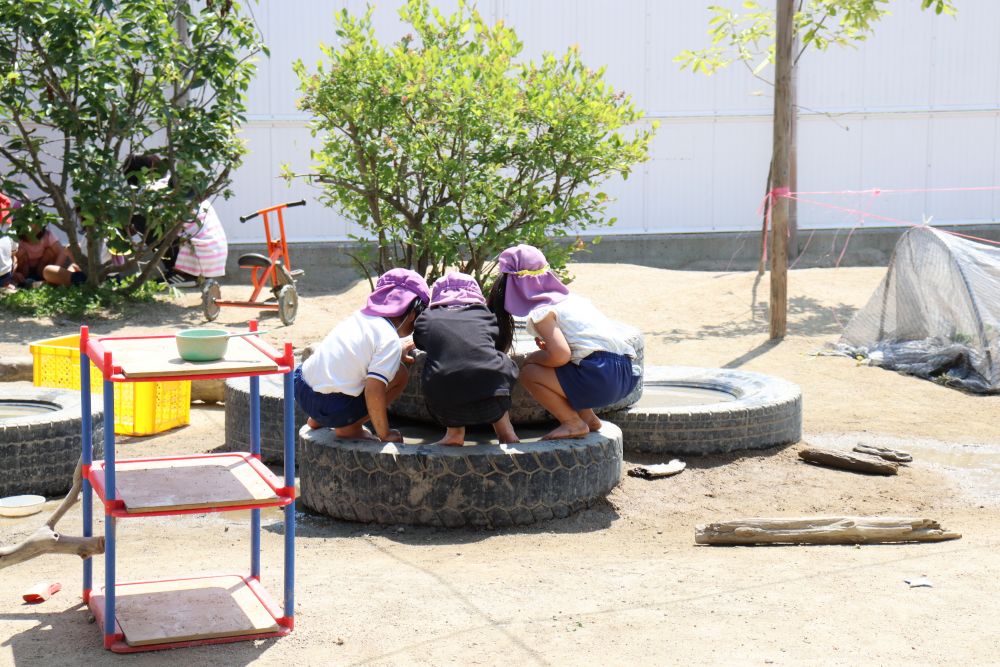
936 314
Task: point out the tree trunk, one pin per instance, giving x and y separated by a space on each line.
780 154
793 159
823 530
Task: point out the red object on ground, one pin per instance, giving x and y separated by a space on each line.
42 591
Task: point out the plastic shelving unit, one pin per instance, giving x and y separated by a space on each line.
186 611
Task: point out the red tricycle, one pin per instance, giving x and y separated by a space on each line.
275 267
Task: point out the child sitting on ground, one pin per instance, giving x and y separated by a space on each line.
467 378
583 359
357 371
41 259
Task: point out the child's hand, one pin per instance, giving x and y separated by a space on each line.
408 348
540 343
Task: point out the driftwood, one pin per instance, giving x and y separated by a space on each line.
834 458
884 452
46 540
823 530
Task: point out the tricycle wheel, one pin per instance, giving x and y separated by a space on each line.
288 304
210 295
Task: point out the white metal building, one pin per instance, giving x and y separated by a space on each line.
917 106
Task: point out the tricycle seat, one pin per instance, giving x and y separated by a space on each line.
254 259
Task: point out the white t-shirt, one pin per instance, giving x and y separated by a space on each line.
7 249
585 328
358 348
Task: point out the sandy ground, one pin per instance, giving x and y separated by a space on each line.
622 583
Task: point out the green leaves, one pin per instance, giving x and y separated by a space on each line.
96 80
748 37
445 149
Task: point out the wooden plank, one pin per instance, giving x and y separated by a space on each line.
157 357
186 610
847 461
158 486
823 530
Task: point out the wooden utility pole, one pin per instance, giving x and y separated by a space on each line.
780 167
793 157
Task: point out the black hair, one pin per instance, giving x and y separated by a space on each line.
495 302
416 307
135 162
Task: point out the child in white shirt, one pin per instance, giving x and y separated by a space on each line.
357 371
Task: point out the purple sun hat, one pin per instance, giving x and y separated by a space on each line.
530 283
456 289
394 293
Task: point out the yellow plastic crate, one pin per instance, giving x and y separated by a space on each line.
141 408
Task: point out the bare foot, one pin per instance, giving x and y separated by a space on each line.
505 430
592 421
453 437
572 429
354 433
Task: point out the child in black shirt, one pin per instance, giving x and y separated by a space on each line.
467 379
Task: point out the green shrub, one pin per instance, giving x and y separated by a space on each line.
83 83
445 147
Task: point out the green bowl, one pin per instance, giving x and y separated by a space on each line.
202 344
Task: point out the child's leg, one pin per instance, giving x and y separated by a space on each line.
57 275
591 419
505 430
542 383
454 436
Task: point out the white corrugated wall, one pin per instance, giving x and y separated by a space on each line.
917 106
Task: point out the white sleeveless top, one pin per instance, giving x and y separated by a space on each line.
585 327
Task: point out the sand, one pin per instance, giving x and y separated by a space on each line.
622 583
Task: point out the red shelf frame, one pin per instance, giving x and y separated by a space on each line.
93 351
101 358
117 507
116 643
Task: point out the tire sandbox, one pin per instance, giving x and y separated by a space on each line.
691 410
484 484
41 437
524 409
272 417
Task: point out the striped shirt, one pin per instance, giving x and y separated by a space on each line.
204 248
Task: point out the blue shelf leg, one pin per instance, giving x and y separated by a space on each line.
109 521
255 450
289 405
86 457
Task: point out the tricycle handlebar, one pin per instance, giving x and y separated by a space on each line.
251 216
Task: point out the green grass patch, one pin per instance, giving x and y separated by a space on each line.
78 302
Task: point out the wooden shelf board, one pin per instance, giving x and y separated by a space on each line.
162 612
157 357
180 484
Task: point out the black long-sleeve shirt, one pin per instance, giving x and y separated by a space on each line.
463 364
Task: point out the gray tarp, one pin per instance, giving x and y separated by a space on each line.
936 314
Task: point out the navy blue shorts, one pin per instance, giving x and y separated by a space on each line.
329 410
7 279
600 379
